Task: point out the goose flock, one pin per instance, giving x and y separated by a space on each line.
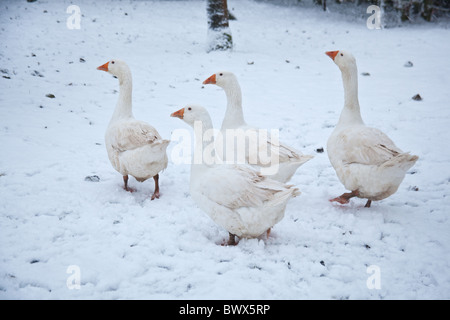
247 198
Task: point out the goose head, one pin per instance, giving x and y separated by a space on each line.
343 59
192 113
116 67
222 79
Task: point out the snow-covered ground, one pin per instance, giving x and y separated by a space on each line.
55 226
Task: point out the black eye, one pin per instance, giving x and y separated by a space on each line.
221 74
189 108
112 62
342 54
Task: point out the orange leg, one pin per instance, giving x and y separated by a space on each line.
125 184
345 198
156 192
231 240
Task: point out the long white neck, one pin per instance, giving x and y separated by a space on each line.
351 113
124 104
204 147
203 131
234 116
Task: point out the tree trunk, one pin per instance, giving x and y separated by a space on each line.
427 13
219 33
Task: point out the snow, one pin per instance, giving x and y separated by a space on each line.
127 247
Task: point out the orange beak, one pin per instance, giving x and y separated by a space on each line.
332 54
103 67
178 114
210 80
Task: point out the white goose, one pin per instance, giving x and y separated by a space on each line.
134 147
236 197
366 161
289 159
